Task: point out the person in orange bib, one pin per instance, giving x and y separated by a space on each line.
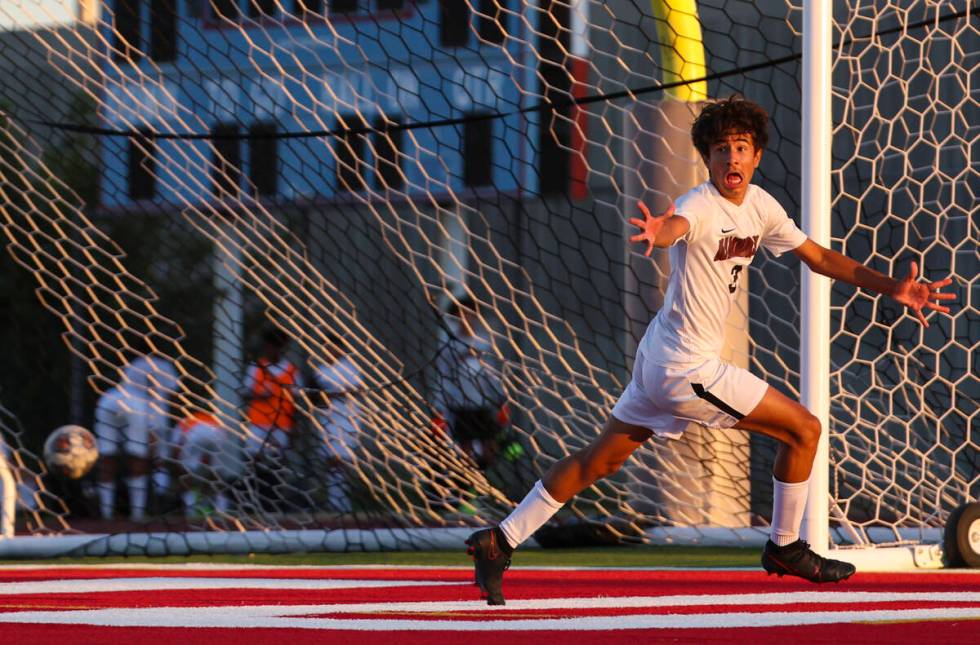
271 384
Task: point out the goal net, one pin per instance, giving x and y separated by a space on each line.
415 212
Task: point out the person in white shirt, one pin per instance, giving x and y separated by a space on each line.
205 461
468 390
338 420
713 233
129 419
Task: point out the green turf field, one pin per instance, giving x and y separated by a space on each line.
646 556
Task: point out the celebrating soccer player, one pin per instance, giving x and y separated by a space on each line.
713 233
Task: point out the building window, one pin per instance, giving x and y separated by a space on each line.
478 151
126 24
142 167
493 21
387 145
305 8
163 30
226 9
343 6
553 45
226 173
261 8
350 155
263 158
454 23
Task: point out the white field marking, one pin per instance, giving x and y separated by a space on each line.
605 602
99 585
272 617
246 567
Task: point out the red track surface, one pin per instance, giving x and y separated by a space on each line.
155 605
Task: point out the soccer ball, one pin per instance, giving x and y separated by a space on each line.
70 451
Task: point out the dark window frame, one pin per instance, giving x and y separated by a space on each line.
454 23
477 149
226 173
259 9
141 179
263 158
216 12
554 160
387 154
127 30
342 7
493 21
163 30
350 154
302 9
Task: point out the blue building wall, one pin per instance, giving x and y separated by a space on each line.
385 63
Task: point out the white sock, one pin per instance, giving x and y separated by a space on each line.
535 509
788 504
107 499
137 496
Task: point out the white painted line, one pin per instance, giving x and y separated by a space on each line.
271 617
100 585
246 567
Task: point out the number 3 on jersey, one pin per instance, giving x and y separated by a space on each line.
736 271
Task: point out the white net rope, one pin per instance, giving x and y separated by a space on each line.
348 172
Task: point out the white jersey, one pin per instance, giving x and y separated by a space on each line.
706 265
339 418
150 377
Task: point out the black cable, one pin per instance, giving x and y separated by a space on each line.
544 106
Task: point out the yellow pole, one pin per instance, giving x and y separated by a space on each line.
681 48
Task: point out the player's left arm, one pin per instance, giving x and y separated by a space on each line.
908 291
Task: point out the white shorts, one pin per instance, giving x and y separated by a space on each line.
125 424
665 399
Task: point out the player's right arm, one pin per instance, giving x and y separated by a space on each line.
661 230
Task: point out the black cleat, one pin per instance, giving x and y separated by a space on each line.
798 560
490 562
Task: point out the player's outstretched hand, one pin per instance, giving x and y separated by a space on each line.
650 225
918 295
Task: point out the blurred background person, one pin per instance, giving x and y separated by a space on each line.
337 414
468 391
205 460
130 419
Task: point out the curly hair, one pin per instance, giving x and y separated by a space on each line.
732 115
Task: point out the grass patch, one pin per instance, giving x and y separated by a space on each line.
622 556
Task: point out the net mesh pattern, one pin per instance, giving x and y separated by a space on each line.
181 178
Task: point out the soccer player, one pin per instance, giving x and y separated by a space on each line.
204 457
338 417
270 386
469 394
713 233
130 419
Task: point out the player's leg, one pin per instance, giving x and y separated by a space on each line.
108 436
137 448
798 433
792 425
491 548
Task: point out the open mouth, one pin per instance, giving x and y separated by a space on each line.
733 180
